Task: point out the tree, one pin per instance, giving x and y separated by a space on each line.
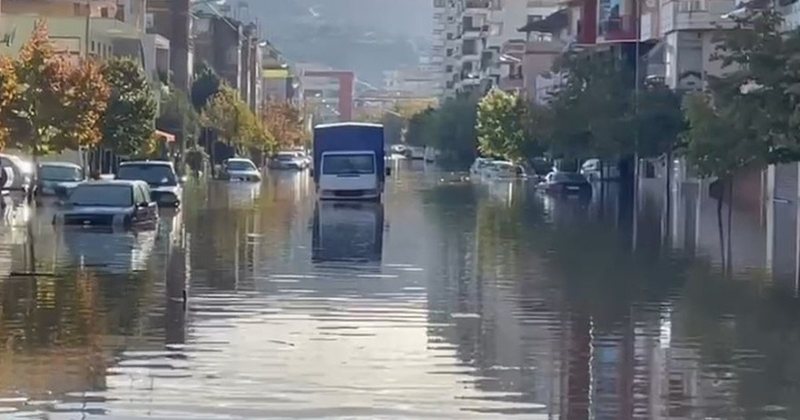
129 120
9 91
659 120
756 100
178 116
55 104
206 84
500 127
449 129
234 122
85 101
284 122
591 110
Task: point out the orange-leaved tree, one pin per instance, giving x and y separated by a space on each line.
9 90
285 122
58 104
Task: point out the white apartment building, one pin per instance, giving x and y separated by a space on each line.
469 36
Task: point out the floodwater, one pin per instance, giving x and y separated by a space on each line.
449 300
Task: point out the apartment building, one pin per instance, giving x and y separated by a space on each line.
172 20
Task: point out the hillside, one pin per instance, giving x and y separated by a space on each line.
368 36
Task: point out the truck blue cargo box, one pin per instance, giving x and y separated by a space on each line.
342 137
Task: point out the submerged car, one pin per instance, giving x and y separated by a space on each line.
58 178
478 167
565 183
23 171
504 170
159 175
237 169
107 204
289 160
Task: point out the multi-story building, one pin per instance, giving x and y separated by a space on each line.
446 50
172 20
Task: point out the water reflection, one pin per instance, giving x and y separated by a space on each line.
479 301
348 232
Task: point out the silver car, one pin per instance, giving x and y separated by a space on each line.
238 169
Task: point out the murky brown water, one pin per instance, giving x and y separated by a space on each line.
448 301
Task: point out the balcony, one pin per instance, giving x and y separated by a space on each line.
617 28
695 15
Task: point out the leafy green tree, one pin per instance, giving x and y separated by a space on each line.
206 84
234 122
500 125
451 130
591 115
659 120
130 117
179 116
756 100
421 128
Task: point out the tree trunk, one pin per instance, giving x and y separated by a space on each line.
729 262
721 232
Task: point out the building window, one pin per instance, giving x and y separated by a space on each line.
449 52
93 46
469 47
438 3
534 18
448 68
449 35
104 12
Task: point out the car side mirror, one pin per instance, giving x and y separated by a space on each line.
142 205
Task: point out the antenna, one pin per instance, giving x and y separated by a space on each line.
8 37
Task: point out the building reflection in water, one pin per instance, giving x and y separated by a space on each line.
348 232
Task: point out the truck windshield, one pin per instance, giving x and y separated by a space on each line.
348 164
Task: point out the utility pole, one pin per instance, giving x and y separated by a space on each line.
88 27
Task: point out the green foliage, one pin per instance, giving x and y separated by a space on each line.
449 129
179 116
501 125
234 122
206 84
714 146
659 120
591 110
753 112
130 117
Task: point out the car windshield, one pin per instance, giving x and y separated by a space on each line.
60 173
151 174
102 196
348 164
568 177
286 156
240 165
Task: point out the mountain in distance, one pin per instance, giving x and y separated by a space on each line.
367 36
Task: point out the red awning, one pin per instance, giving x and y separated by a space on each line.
168 138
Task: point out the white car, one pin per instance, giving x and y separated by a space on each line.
505 170
289 160
239 169
597 170
479 167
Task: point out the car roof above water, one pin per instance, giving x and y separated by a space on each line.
147 163
59 164
113 182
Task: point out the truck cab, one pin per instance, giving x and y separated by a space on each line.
349 161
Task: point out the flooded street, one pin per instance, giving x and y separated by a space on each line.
449 300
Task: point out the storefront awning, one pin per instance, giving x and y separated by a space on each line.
168 138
